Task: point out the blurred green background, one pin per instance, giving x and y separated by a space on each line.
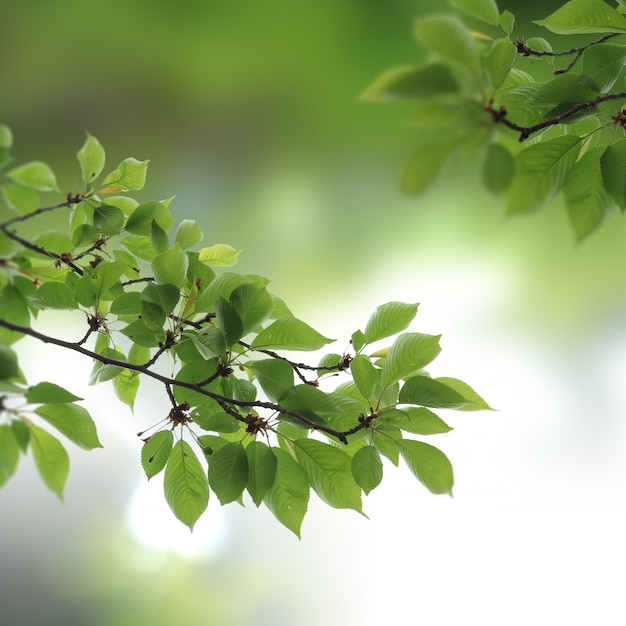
249 113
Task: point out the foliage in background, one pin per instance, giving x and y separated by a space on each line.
238 414
538 133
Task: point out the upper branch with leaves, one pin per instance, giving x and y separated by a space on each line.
537 132
238 414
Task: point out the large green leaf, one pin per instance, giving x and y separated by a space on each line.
253 304
409 353
188 233
473 400
219 254
367 468
54 296
9 453
73 421
8 363
540 171
171 266
416 420
564 89
49 393
262 470
228 321
613 165
485 10
129 175
449 37
329 470
35 175
51 459
20 198
274 376
142 216
588 203
228 472
584 16
156 452
288 497
429 465
364 375
389 319
289 333
109 219
126 385
603 64
499 61
91 158
425 391
185 484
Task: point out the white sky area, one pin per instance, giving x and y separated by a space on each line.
533 535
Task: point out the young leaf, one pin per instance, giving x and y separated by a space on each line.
261 470
485 10
185 484
425 391
219 254
228 472
49 393
329 471
6 136
91 158
73 421
449 37
578 17
389 319
367 468
156 452
51 459
364 374
35 175
126 385
288 497
289 333
409 353
129 175
188 234
9 453
142 216
429 465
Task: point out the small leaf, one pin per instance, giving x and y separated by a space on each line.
364 374
171 266
584 16
289 333
36 175
429 465
228 472
91 158
109 219
156 452
389 319
262 470
185 484
73 421
51 459
126 385
499 61
6 136
49 393
498 169
188 233
130 175
228 321
367 468
219 254
485 10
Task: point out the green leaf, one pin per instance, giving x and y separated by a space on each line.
185 484
540 171
109 219
424 165
603 64
228 472
188 233
130 175
219 254
8 363
367 468
588 203
158 301
389 319
140 220
85 234
9 453
498 169
288 497
261 470
401 83
158 237
127 304
35 175
54 296
228 321
217 421
449 37
49 393
156 452
485 10
106 275
613 164
126 385
253 304
19 198
357 340
584 16
289 333
91 158
409 354
564 90
102 372
507 22
474 401
51 459
274 376
6 136
426 391
73 421
330 473
364 374
429 465
171 266
499 61
416 420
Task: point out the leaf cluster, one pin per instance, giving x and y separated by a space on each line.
486 93
240 415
